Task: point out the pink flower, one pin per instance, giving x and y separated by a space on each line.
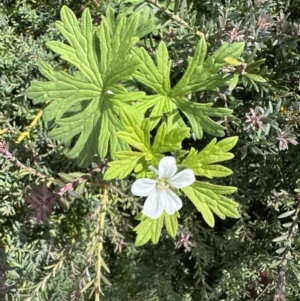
285 138
184 240
254 119
235 34
264 21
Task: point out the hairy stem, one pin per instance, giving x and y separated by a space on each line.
100 243
9 156
69 186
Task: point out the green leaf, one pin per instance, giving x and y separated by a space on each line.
287 225
86 105
254 65
280 250
280 238
77 175
275 263
143 232
218 59
213 152
286 214
200 75
126 163
208 198
199 117
255 77
155 77
171 224
148 229
210 171
105 280
232 61
137 134
89 284
67 178
165 141
195 66
234 82
227 144
156 229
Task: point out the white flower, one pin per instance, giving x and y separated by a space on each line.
160 197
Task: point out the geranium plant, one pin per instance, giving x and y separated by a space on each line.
138 132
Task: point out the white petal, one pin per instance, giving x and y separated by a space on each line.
143 187
167 167
172 202
183 179
154 205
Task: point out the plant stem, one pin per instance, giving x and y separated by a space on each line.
287 252
100 243
9 156
175 17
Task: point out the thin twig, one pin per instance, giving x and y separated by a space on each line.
175 17
9 156
100 243
263 291
128 198
287 252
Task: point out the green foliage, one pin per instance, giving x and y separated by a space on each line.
207 198
98 74
176 89
199 75
212 153
92 97
138 136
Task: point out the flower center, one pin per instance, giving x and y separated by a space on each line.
162 184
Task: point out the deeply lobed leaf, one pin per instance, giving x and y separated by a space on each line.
208 198
214 152
86 105
200 75
138 136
